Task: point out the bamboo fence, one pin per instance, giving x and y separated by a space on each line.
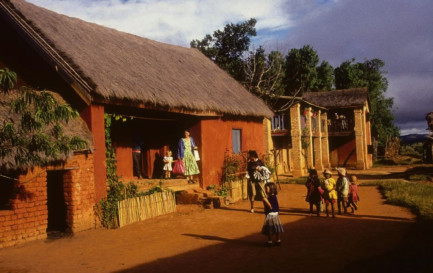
137 209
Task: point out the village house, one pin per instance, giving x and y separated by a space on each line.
159 89
37 200
323 130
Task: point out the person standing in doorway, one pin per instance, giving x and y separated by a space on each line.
137 144
185 152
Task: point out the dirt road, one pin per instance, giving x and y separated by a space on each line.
380 238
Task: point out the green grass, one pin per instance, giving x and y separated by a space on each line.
416 196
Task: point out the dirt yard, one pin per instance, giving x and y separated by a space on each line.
379 238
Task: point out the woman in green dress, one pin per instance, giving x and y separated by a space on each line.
185 152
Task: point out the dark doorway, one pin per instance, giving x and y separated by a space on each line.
56 201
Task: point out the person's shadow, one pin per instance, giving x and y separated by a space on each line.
158 166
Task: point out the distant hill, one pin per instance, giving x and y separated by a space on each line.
413 138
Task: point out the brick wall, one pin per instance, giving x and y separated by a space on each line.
27 219
79 188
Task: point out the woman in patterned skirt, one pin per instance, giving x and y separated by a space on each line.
185 152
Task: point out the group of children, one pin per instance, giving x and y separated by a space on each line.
343 192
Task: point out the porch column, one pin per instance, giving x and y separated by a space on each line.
317 141
269 145
309 140
325 142
360 139
93 115
295 132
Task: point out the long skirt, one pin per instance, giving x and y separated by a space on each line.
191 167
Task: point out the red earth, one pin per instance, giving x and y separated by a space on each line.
378 238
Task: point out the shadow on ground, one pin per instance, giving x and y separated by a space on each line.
382 244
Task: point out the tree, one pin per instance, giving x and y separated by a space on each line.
301 72
325 77
35 136
350 75
226 47
264 74
370 74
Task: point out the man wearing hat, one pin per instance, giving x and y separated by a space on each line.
342 190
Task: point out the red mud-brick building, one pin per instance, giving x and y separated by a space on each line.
159 89
36 201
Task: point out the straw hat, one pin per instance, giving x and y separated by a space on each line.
327 171
341 171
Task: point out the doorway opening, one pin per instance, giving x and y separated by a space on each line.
57 209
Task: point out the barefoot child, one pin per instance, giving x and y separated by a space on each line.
353 193
272 223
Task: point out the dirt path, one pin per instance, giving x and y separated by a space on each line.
380 238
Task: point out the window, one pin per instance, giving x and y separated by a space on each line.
236 140
6 193
278 122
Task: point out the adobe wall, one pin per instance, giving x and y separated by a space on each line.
93 115
79 187
215 138
27 220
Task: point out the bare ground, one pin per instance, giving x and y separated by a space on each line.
379 238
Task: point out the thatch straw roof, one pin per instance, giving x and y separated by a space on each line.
344 98
118 67
75 127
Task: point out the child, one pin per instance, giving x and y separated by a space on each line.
353 193
314 191
272 223
330 195
168 159
342 188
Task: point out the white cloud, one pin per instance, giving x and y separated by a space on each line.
171 21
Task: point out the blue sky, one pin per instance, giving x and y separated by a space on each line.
399 32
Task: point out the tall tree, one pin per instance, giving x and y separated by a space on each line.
371 75
226 47
301 72
325 77
264 74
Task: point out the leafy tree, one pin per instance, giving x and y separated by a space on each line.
226 47
350 75
325 77
301 72
36 136
370 74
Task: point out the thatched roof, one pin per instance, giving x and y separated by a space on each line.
344 98
118 67
75 127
